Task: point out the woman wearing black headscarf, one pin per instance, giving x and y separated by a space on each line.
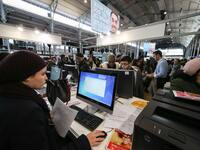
25 118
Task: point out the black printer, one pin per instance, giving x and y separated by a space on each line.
168 123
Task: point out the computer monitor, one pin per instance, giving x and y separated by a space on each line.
69 67
125 81
97 89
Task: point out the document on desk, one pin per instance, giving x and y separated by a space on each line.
120 115
128 126
62 117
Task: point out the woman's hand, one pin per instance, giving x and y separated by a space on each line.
92 137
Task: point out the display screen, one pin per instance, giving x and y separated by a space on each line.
97 87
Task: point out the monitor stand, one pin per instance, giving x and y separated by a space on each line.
116 98
90 109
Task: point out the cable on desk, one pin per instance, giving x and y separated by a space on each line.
119 102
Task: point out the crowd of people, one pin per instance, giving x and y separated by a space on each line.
155 71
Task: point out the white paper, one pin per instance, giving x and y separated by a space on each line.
123 118
128 126
109 123
62 117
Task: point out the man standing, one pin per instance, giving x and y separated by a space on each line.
161 71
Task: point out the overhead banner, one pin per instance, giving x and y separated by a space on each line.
100 17
11 32
137 34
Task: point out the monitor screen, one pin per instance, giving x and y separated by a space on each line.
97 89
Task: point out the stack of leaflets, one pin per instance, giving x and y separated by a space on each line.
119 141
141 104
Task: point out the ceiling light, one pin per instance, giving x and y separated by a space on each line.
20 28
37 31
165 12
85 1
121 24
167 23
169 29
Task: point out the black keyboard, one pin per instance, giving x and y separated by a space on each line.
86 119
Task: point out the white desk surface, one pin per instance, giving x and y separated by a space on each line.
79 129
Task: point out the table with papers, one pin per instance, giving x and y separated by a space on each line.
123 118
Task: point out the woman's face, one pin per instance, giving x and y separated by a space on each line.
37 80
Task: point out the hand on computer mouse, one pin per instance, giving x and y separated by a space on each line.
102 136
95 137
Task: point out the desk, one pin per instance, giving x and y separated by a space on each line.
79 129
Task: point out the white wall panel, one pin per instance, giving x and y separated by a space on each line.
141 33
8 31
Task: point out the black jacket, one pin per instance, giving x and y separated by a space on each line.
83 66
25 126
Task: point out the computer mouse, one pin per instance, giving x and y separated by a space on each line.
102 136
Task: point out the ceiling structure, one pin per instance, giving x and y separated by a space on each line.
76 10
132 13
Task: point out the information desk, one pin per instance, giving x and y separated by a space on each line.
79 129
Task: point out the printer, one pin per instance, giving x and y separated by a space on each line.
168 123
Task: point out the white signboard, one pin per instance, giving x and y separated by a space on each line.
140 33
8 31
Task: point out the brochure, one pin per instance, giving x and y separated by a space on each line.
187 95
139 104
120 141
